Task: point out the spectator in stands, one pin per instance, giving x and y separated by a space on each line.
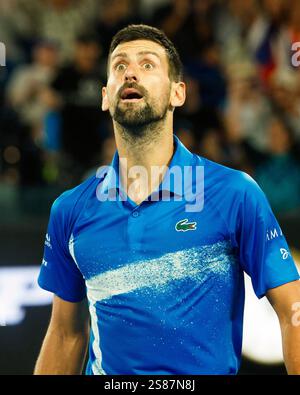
285 96
279 175
268 52
75 95
195 115
249 31
189 24
29 81
212 146
9 20
112 16
289 33
237 64
236 23
59 20
247 109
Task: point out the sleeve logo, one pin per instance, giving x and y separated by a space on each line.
274 234
48 241
285 254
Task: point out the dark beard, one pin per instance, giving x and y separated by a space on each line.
136 123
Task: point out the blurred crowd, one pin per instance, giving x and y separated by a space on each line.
243 101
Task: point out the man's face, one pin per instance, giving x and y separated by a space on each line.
139 90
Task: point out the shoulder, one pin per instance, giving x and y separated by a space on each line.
231 191
70 202
234 195
228 179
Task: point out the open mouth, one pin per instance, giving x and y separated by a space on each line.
131 95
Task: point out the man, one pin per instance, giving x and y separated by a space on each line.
27 83
74 95
162 270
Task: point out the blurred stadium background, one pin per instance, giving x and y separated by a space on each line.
242 110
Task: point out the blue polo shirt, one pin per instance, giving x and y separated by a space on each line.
164 280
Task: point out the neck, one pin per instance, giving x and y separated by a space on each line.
147 147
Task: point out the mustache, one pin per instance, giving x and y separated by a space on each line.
132 85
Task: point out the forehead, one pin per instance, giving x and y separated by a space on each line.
133 48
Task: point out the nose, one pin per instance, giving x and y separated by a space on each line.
131 73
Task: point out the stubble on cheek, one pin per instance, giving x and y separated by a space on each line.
139 113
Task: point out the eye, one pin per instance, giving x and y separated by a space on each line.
148 66
120 67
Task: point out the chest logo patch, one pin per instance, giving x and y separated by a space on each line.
184 225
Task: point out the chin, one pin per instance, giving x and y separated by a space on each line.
134 123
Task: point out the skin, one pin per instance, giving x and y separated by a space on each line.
65 344
282 299
143 64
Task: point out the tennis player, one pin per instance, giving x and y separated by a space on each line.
147 266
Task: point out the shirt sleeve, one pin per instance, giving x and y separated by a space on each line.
59 273
263 251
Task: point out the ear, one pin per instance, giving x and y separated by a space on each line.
105 105
178 94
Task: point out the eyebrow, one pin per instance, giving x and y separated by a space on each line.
124 54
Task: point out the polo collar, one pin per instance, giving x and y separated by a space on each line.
172 181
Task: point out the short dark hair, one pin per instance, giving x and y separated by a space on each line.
145 32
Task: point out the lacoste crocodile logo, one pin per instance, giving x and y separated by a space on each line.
184 225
